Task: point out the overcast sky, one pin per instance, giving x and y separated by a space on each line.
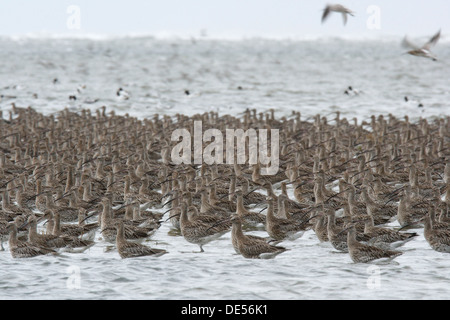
222 18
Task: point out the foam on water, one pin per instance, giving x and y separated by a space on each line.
309 76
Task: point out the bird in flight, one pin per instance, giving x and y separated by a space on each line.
336 8
425 50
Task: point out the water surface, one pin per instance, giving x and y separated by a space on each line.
227 77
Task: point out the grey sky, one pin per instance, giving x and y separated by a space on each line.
236 18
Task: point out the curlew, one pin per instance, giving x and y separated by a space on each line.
438 239
363 253
423 51
283 229
108 228
385 237
128 249
248 218
201 229
336 8
22 249
252 247
336 237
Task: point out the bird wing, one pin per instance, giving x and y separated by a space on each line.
33 250
344 17
406 43
26 251
133 233
326 13
388 235
369 253
135 249
442 236
255 217
432 42
254 248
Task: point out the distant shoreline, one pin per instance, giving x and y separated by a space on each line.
187 37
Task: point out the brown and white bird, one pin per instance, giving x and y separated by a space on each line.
423 51
336 8
128 249
438 239
249 246
383 237
363 253
22 249
201 229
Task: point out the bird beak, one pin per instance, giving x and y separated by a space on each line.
23 225
226 195
170 201
218 223
90 215
345 230
41 218
172 216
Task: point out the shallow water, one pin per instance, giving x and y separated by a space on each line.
309 270
307 76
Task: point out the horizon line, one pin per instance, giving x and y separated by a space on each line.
225 37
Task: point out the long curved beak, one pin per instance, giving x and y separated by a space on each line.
251 191
170 201
23 225
172 216
218 223
63 196
168 194
345 230
226 195
6 183
335 195
90 215
301 183
391 196
314 216
36 195
263 209
413 224
26 223
101 231
367 169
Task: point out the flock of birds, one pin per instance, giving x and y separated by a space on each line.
73 179
414 49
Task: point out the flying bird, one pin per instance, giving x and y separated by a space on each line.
336 8
425 50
